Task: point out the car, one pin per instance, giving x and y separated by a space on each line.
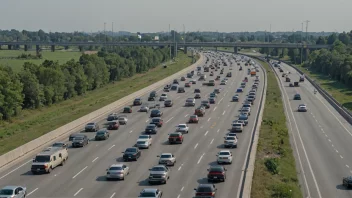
13 192
157 121
132 153
187 84
152 96
197 96
297 97
205 191
72 136
196 90
230 141
167 88
146 137
168 103
175 137
250 100
112 125
117 171
243 116
190 102
80 141
223 82
302 108
159 174
224 156
216 173
113 116
144 108
200 111
167 159
62 145
123 120
231 134
143 143
347 181
91 127
206 104
216 91
137 101
174 87
181 90
291 85
239 90
193 82
247 105
235 98
252 94
175 81
237 127
212 100
183 128
151 128
183 78
102 134
246 109
193 119
212 95
156 113
163 97
150 193
127 109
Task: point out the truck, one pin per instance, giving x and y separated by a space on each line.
253 73
301 79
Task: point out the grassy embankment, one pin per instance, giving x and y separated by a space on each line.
34 123
275 172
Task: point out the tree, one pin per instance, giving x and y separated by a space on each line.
321 41
331 39
344 38
32 90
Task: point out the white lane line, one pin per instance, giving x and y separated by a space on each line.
111 147
218 130
214 108
332 145
169 120
32 191
195 146
225 94
112 195
209 119
329 140
206 133
147 120
200 158
319 125
223 113
201 126
341 156
179 196
78 192
220 100
336 151
228 105
15 169
96 145
326 135
131 131
347 166
95 159
211 141
79 172
180 167
182 188
186 115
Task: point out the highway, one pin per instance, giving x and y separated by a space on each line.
83 175
321 140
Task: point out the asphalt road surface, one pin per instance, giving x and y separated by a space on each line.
321 139
83 175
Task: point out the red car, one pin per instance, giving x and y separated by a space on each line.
176 137
112 125
193 119
187 84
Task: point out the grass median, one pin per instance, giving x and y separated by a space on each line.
275 172
32 124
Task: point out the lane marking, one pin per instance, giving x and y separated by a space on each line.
332 145
179 196
336 151
214 108
15 169
223 113
195 146
180 167
78 192
347 166
169 119
341 156
220 100
147 120
209 119
111 147
186 115
326 135
225 94
212 141
112 195
329 140
218 130
182 188
79 172
95 159
201 127
32 191
206 133
200 158
131 131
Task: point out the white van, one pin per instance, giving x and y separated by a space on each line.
48 159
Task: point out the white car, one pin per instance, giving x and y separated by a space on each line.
224 156
146 137
163 97
144 143
230 141
183 128
123 120
167 159
302 108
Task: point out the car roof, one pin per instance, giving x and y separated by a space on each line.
116 165
166 154
161 166
153 190
224 151
10 187
151 125
206 185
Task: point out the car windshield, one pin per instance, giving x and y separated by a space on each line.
143 137
158 168
155 111
78 138
147 194
90 124
121 118
150 127
165 156
6 192
174 135
137 99
131 150
230 138
116 168
181 126
224 153
58 144
163 94
141 142
193 116
232 134
101 133
155 120
203 189
216 169
189 100
205 102
237 124
42 158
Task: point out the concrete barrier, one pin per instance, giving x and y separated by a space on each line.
67 129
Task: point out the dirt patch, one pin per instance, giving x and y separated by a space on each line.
90 52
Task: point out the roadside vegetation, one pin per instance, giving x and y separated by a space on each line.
33 122
275 173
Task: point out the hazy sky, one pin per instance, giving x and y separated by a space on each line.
156 15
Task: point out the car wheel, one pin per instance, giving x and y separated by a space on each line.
123 178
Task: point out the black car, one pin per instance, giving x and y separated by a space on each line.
205 190
216 173
91 127
151 128
297 97
132 153
157 121
80 141
137 101
152 96
168 103
102 134
181 90
212 100
156 113
206 104
72 136
196 90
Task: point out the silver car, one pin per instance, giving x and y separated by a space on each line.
123 120
13 192
230 141
167 159
144 143
159 174
144 108
117 171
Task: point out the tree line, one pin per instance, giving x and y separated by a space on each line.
41 85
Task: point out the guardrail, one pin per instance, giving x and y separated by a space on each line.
345 113
47 139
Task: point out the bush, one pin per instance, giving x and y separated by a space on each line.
281 191
272 164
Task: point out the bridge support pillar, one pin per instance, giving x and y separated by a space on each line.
25 47
185 50
306 54
53 48
0 47
235 50
175 50
216 49
9 47
80 48
37 49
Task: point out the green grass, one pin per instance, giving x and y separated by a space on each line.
32 124
274 149
16 64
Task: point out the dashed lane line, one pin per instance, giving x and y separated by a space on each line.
32 191
78 192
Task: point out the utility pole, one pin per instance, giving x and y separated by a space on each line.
105 31
302 44
184 34
269 34
169 39
307 21
112 30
